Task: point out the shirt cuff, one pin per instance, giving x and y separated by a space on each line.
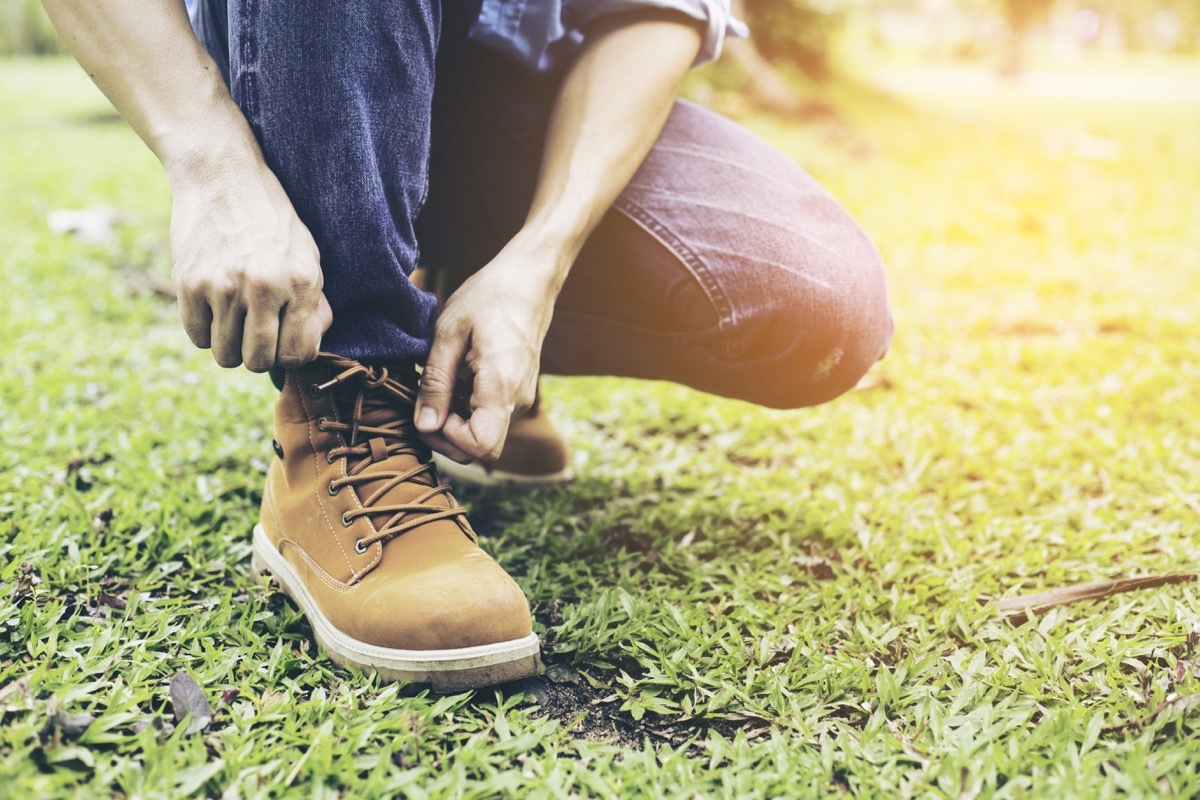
715 14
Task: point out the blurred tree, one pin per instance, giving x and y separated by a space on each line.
794 32
25 30
1021 15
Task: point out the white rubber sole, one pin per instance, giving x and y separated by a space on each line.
444 670
474 474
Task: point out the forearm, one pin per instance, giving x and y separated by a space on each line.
147 61
246 269
610 110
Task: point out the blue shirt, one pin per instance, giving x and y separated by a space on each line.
531 31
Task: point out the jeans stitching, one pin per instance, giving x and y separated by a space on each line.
247 73
692 263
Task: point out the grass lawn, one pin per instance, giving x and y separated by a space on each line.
734 602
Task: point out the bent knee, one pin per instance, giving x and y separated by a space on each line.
815 344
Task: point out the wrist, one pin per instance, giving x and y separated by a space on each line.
547 252
196 153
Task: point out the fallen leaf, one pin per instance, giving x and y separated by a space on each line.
560 673
188 698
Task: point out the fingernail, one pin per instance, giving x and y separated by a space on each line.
426 419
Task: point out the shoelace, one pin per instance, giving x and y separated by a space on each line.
374 444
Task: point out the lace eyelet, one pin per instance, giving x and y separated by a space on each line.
330 457
346 522
333 490
315 389
320 423
359 547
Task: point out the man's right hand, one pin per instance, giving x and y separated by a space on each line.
247 272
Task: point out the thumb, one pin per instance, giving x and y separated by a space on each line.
437 382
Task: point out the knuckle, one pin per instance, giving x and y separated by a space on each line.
436 379
220 289
259 286
305 282
191 288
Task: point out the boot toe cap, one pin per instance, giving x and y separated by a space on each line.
445 608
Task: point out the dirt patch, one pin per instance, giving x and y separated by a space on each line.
594 714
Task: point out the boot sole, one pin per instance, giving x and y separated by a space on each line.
453 670
474 474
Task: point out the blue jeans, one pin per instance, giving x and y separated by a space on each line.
722 265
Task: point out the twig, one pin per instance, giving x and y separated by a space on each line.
1018 608
1182 703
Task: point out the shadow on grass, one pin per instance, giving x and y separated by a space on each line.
588 707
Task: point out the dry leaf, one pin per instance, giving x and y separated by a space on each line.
188 698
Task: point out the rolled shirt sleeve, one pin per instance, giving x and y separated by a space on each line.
526 29
715 14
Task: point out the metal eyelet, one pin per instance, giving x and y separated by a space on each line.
346 522
359 547
320 423
333 490
315 390
330 457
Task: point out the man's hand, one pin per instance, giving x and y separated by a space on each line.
247 272
246 269
494 324
610 108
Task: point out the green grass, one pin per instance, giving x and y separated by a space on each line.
761 603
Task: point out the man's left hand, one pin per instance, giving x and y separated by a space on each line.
494 324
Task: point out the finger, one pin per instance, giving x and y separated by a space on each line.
483 434
197 321
300 333
260 337
324 316
227 326
438 442
438 378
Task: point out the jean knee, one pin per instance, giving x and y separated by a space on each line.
815 342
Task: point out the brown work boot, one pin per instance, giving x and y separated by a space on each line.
535 454
359 531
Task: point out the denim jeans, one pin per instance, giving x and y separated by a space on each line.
722 265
